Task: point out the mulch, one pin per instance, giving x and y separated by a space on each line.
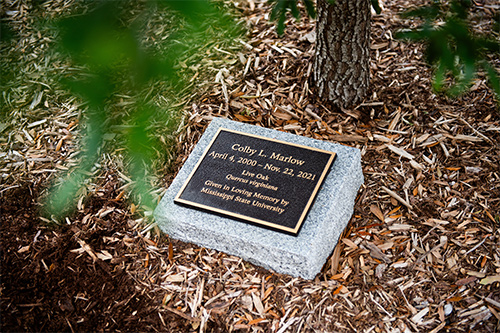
421 252
49 287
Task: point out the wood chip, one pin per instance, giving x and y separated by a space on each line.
401 152
396 196
376 253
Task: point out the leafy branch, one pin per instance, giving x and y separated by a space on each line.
456 52
107 43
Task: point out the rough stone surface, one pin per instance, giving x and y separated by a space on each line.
301 256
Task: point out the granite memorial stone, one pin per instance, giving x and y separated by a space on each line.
275 199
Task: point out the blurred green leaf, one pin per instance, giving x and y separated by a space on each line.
451 47
310 8
376 6
106 42
6 33
282 7
430 12
493 77
140 150
62 198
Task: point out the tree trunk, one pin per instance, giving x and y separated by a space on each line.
341 67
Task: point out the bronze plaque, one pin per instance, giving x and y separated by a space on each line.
257 180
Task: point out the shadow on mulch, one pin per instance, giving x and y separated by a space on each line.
47 287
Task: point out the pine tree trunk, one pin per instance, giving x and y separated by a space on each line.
341 68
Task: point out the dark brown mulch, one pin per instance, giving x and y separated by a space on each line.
48 287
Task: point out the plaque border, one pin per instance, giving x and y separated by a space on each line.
259 222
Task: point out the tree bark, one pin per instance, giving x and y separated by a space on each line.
341 72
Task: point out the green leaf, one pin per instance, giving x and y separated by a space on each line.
281 7
494 78
461 8
3 126
277 8
310 8
140 150
281 23
428 12
105 42
293 7
439 77
6 33
451 46
414 35
464 79
376 6
489 45
62 197
193 11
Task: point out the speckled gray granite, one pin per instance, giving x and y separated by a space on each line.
301 256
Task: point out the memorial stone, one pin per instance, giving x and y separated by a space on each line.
275 199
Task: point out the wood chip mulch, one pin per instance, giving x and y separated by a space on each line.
421 252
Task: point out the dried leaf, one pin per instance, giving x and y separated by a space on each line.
258 304
349 243
104 255
377 212
455 299
476 274
375 252
396 196
255 321
170 251
465 281
175 278
24 249
417 319
490 279
401 152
